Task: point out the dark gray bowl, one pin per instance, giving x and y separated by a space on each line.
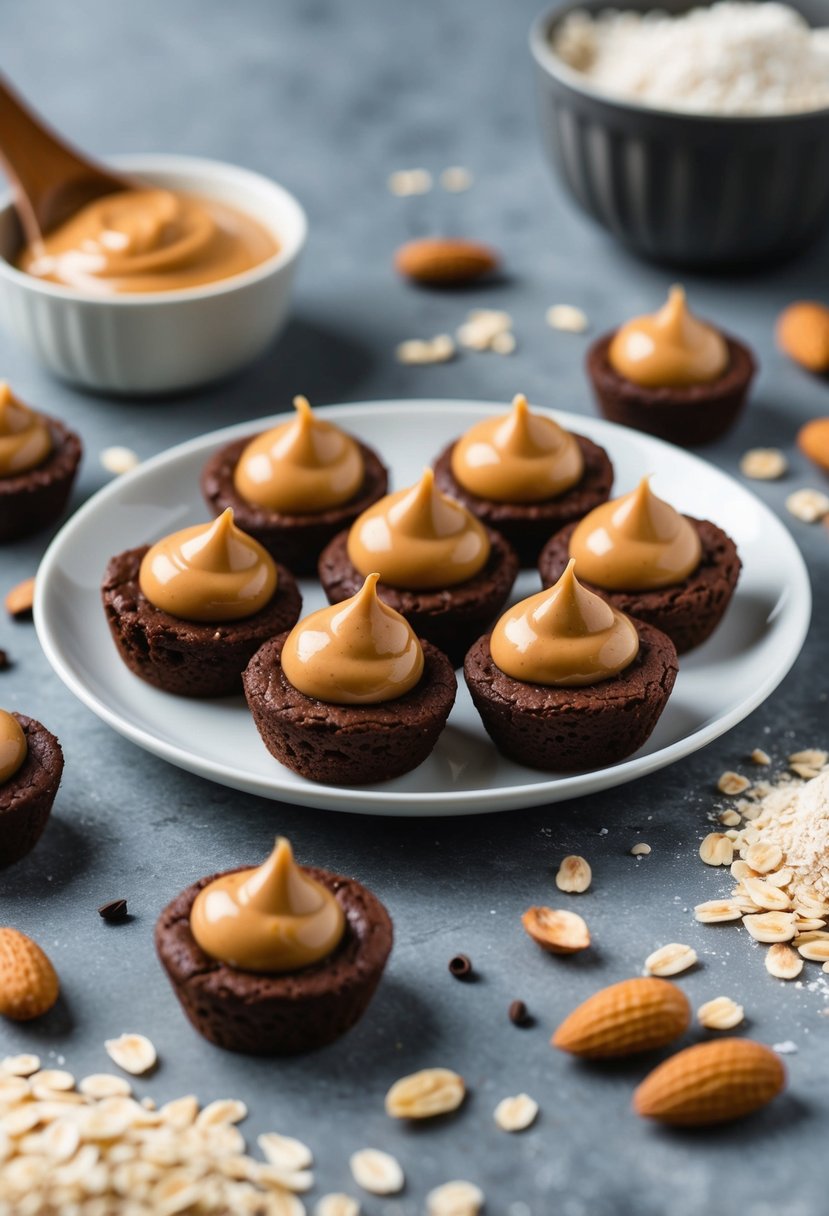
690 189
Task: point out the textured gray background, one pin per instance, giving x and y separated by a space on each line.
329 98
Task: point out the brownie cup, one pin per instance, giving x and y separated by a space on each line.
283 1014
26 798
296 540
190 658
689 416
450 618
688 612
529 525
564 729
35 498
348 744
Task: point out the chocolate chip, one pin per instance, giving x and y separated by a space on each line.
518 1014
114 911
460 966
5 661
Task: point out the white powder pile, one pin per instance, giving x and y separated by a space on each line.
796 817
731 58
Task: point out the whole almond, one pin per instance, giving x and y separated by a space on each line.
556 930
444 261
711 1083
803 333
20 600
635 1015
813 441
28 981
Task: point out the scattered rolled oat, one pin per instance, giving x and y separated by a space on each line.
410 181
641 850
503 344
574 875
284 1151
337 1204
119 460
764 464
717 911
455 179
132 1052
733 783
487 329
720 1014
457 1198
567 317
670 959
816 951
53 1079
223 1110
758 756
716 850
421 1095
20 1066
439 349
729 819
771 926
808 506
516 1114
556 930
763 857
808 763
782 962
377 1172
105 1085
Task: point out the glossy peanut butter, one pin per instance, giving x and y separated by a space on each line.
25 438
565 636
419 539
13 746
517 457
635 543
670 348
358 652
212 572
300 467
274 918
149 240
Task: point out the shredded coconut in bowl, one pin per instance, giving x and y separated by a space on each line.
737 57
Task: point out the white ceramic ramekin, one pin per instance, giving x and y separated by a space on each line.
161 341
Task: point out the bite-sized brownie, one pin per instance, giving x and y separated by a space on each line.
190 658
348 744
451 617
566 729
296 540
691 416
689 612
529 525
282 1014
35 498
26 798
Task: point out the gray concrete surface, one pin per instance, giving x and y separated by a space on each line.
329 98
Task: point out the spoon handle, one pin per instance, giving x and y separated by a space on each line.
50 180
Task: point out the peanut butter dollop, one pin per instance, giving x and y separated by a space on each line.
670 348
149 240
517 457
212 572
564 636
358 652
303 466
25 438
273 918
635 543
13 746
419 539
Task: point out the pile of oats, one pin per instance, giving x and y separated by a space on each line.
776 844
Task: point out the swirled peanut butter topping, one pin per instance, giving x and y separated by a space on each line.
419 539
635 543
25 438
358 652
149 240
301 467
517 457
564 636
274 918
13 746
212 572
670 348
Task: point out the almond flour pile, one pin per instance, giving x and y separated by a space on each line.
729 58
777 847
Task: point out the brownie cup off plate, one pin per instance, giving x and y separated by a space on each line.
293 488
187 614
39 459
438 566
247 981
524 476
688 607
31 766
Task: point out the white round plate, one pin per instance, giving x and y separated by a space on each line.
718 685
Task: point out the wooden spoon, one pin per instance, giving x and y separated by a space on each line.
50 180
